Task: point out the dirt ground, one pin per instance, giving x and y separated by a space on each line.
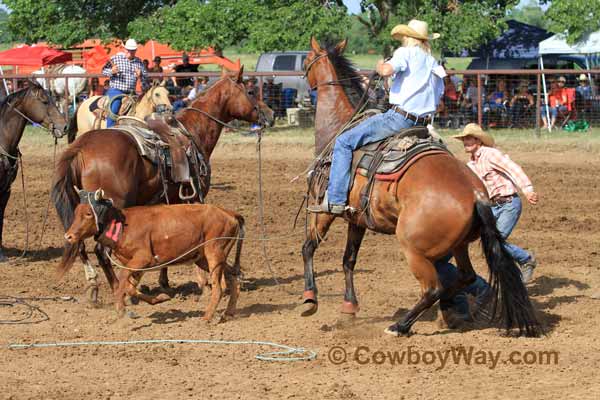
563 231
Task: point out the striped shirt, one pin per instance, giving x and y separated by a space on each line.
125 79
499 173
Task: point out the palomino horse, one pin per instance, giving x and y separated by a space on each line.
109 159
154 99
438 207
34 104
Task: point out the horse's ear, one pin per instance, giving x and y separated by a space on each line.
163 83
240 74
341 46
314 44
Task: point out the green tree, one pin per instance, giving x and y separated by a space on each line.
4 34
67 22
576 17
463 24
530 13
257 25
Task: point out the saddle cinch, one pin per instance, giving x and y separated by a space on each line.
172 150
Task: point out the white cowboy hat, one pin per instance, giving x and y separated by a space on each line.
131 44
583 77
415 29
475 131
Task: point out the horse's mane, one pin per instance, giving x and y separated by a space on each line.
347 73
15 98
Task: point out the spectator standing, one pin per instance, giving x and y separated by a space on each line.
185 66
156 68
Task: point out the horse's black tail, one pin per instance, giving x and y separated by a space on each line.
72 129
509 291
65 199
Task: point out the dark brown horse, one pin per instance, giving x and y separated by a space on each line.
438 207
16 110
109 159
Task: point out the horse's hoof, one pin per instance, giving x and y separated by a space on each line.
349 308
132 314
397 331
309 307
92 294
163 297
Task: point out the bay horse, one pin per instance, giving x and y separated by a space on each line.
109 159
145 236
32 103
437 208
155 99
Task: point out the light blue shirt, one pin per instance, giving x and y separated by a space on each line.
417 82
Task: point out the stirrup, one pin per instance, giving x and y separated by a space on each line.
325 207
191 196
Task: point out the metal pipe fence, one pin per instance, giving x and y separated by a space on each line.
538 99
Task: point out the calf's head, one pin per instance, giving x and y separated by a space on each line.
89 216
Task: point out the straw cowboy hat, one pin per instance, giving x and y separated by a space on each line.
475 131
583 77
414 29
131 44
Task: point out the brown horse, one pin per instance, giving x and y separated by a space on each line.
32 103
143 237
109 159
437 208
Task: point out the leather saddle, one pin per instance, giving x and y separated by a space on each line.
98 107
385 160
171 149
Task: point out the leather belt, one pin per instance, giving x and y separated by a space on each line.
418 120
499 200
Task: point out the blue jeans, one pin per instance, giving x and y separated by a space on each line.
371 130
178 105
448 274
114 105
553 111
507 215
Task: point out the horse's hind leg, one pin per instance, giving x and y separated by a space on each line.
319 225
431 290
353 242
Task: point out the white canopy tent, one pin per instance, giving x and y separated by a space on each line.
589 44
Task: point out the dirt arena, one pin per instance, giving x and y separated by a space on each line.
563 231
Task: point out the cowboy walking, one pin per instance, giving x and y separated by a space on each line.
416 89
502 178
123 69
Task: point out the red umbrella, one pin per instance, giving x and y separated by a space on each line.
33 56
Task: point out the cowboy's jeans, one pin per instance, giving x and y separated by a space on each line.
371 130
114 105
448 274
507 215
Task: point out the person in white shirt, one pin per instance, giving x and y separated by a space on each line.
416 89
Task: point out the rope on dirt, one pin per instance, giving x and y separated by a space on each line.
11 301
287 354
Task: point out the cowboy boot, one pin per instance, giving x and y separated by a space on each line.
325 207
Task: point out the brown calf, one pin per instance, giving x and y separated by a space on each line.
142 237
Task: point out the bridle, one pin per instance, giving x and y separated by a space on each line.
47 122
333 82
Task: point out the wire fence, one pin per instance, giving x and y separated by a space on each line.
517 99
